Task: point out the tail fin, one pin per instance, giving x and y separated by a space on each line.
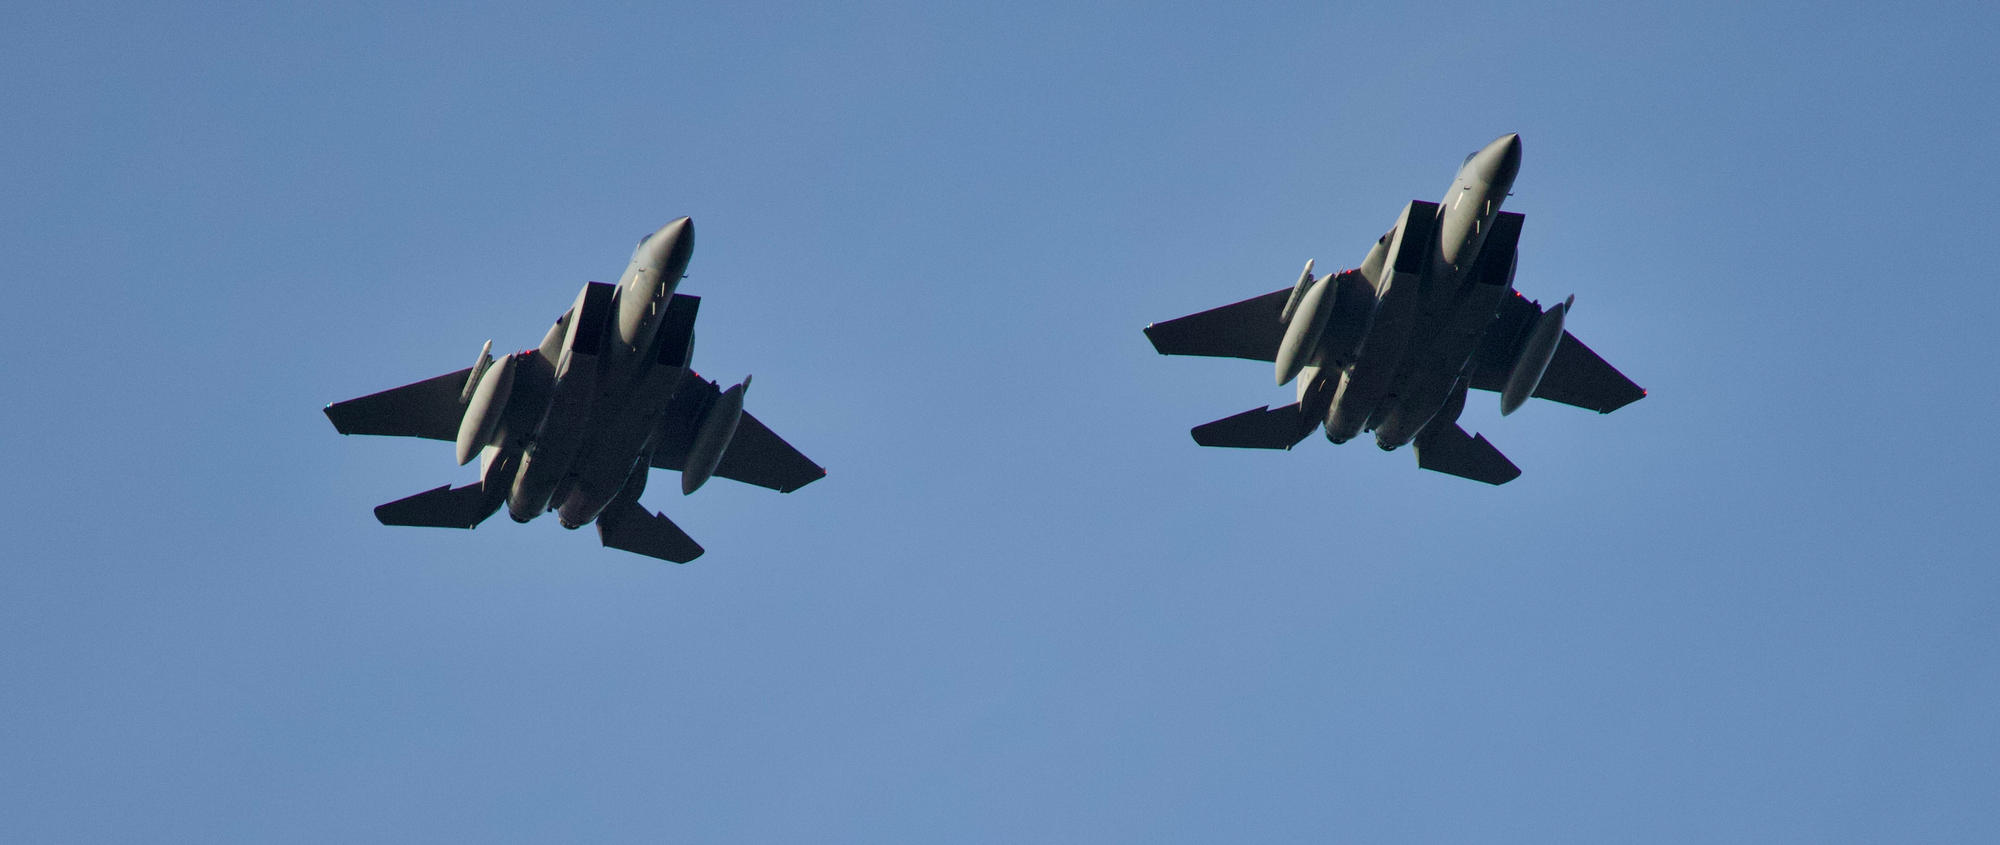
628 526
441 507
1257 428
1448 449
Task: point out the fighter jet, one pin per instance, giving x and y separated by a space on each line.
575 425
1393 345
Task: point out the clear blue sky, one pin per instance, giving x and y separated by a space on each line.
1761 605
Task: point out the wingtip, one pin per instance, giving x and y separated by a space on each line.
802 484
330 417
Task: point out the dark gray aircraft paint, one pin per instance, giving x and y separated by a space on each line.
575 425
1393 345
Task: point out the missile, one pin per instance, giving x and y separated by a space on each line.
1535 357
1298 290
712 436
478 369
483 412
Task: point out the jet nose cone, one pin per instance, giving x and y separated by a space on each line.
1501 160
671 245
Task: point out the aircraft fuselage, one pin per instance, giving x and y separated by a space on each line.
1392 346
1433 297
583 406
576 424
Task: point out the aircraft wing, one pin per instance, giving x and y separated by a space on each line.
429 409
1248 329
1576 375
756 454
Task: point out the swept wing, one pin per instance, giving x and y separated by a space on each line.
1249 329
756 455
1576 375
429 409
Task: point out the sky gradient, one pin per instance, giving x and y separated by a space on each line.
1761 604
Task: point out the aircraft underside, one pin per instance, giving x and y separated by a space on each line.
576 425
1393 346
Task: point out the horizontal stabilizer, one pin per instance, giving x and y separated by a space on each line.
1249 329
1448 449
441 507
628 526
1257 428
